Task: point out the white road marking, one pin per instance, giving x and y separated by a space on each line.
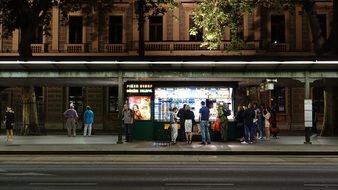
199 184
321 185
26 174
63 184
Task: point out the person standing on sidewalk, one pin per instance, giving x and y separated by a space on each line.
204 122
224 122
9 123
258 121
173 123
267 116
249 115
71 116
128 122
180 115
189 121
239 118
88 120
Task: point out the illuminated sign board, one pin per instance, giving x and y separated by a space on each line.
139 88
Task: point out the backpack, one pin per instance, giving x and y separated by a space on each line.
227 112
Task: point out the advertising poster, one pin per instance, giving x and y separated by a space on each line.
141 105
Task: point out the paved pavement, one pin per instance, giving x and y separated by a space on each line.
107 144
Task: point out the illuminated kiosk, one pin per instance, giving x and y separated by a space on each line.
152 102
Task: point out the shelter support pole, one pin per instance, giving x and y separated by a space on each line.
120 107
307 109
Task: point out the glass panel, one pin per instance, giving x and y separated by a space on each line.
113 99
76 97
279 99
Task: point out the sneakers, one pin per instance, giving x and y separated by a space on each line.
244 142
203 143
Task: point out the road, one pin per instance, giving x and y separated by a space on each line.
170 176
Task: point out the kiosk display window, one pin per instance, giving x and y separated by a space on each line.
168 98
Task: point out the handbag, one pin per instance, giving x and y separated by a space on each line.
274 130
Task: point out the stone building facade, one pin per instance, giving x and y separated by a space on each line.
262 30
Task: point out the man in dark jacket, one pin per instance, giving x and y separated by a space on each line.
181 131
249 115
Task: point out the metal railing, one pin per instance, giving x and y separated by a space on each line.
74 48
279 47
114 48
37 48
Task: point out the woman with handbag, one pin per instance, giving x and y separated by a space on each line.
268 119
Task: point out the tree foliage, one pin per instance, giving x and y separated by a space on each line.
29 15
213 16
17 14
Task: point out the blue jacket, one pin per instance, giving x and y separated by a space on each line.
88 117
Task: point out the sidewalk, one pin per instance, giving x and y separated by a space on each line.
106 144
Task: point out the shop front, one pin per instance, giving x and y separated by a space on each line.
152 103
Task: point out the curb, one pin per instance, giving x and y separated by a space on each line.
277 153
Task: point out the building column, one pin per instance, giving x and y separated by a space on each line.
1 50
95 41
55 29
299 30
15 41
257 23
176 25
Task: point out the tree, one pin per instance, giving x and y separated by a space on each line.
28 16
230 12
214 15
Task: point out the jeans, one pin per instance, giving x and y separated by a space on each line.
174 132
129 132
249 132
205 131
260 128
87 127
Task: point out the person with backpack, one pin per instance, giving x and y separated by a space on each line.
221 115
128 122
